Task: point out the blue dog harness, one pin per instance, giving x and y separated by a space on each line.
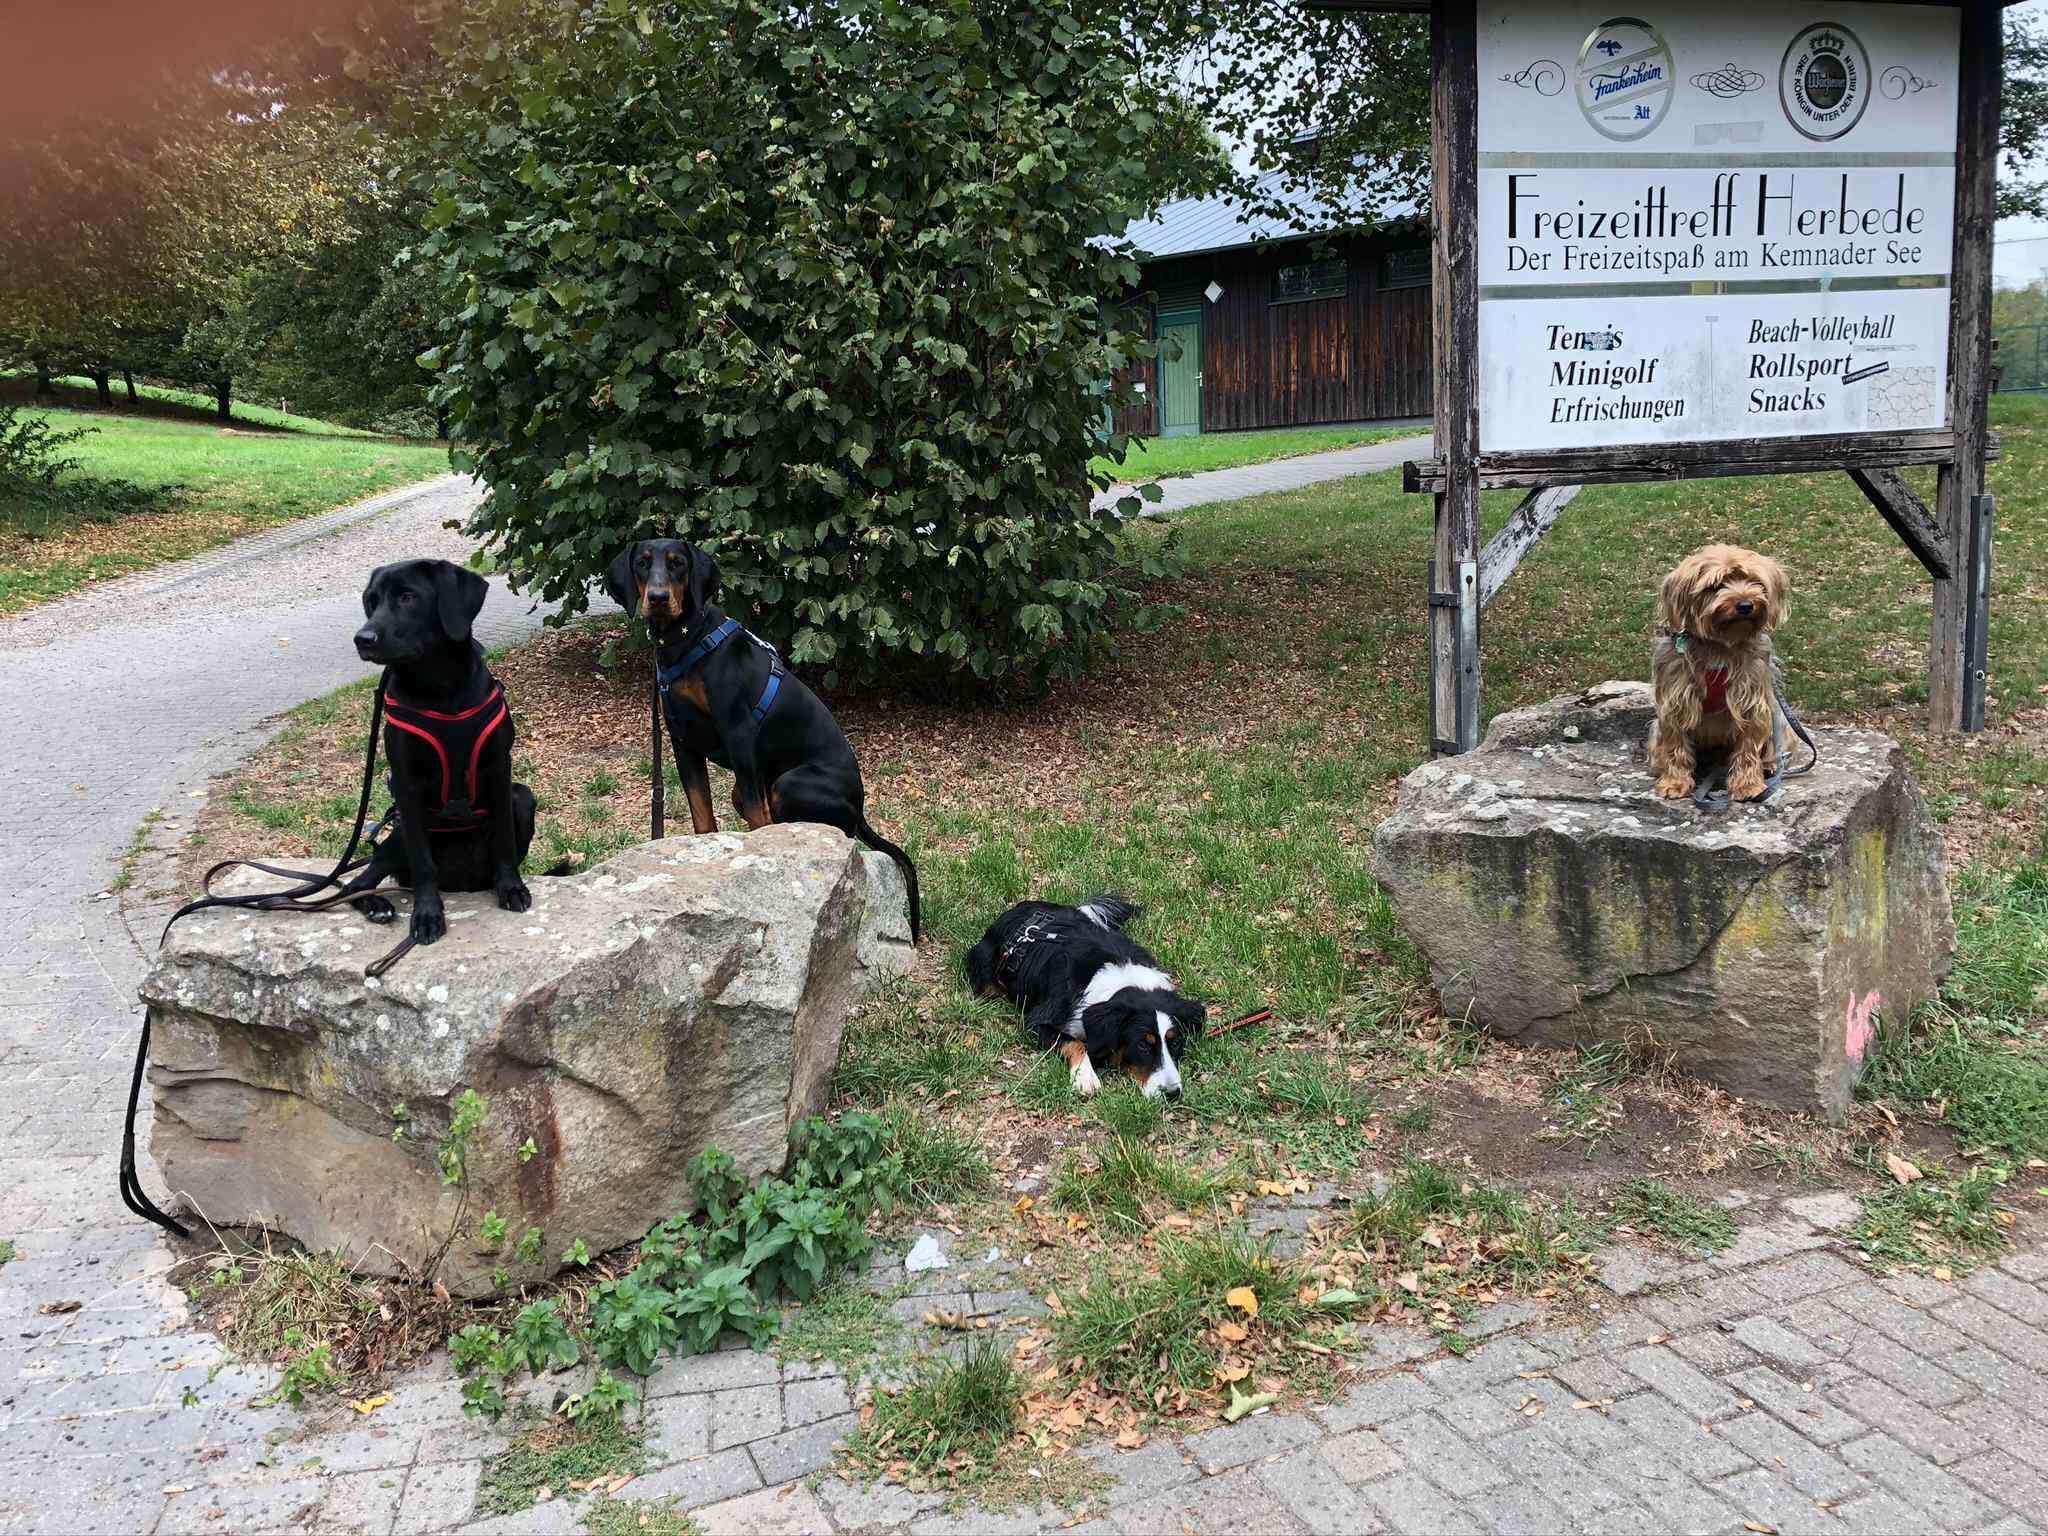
695 657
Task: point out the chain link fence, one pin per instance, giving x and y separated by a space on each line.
2019 358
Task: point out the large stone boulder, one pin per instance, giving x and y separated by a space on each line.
1559 900
685 992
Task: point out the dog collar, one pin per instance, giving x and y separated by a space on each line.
1680 639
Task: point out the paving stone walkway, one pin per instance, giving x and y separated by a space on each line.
1779 1386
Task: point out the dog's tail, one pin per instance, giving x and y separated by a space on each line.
881 844
1110 910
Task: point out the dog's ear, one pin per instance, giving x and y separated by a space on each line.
459 595
1189 1014
705 582
371 585
618 579
1777 588
1675 602
1102 1028
1682 589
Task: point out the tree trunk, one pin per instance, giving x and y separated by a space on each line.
220 399
129 379
441 422
44 388
103 385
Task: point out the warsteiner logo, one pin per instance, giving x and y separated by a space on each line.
1824 81
1626 76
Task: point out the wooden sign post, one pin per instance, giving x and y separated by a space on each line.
1713 237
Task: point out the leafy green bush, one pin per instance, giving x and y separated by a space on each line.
824 287
487 1359
309 1370
605 1403
783 1237
32 451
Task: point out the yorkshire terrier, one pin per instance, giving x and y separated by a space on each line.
1713 671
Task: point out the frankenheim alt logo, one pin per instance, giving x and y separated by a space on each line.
1626 76
1824 81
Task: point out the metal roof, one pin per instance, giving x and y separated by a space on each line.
1197 225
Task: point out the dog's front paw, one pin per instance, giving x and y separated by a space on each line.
1674 786
429 920
376 909
513 895
1746 784
1086 1083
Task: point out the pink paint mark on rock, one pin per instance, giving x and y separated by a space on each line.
1862 1024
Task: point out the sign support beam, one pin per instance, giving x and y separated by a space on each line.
1958 484
1909 517
1454 298
1522 532
1977 615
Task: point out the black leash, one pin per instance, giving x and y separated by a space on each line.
297 899
654 755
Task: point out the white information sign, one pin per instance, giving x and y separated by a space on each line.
1706 221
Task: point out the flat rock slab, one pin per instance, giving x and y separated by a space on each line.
1559 900
687 991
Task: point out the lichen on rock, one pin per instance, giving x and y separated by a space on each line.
1559 900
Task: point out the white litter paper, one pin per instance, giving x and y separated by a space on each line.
926 1254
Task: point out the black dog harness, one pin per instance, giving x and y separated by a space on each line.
1033 933
455 739
695 657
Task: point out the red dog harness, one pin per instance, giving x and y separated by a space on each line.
455 739
1716 681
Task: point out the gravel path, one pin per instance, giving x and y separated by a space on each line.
1779 1387
1184 491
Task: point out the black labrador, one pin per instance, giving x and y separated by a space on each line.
463 825
728 699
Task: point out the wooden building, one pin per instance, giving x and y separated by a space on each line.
1262 326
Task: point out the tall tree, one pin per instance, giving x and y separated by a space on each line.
1337 100
128 243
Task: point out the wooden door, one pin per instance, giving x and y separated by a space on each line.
1180 373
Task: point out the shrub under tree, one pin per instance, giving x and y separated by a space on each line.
821 285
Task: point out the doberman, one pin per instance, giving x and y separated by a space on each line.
729 699
463 825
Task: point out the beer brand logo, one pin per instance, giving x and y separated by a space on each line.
1625 76
1824 81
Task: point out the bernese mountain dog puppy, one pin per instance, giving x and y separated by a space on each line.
1089 988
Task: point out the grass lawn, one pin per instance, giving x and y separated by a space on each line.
200 484
76 393
1228 773
1162 458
